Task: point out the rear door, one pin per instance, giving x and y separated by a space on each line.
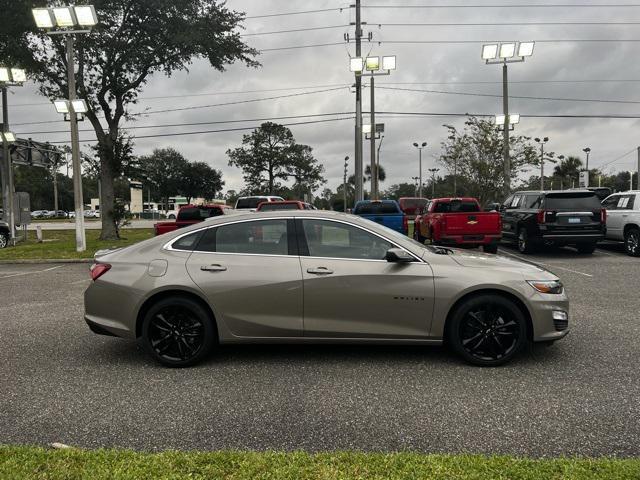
250 273
350 291
618 216
614 217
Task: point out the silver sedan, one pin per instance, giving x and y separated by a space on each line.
318 277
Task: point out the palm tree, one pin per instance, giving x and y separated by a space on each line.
382 175
567 170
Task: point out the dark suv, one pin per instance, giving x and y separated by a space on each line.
569 217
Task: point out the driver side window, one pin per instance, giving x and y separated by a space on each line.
338 240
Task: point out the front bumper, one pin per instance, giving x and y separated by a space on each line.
545 327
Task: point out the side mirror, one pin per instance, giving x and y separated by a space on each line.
397 255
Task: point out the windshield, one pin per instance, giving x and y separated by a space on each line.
457 206
572 201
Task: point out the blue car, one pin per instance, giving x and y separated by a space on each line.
384 212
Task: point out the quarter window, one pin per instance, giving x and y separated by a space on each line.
338 240
187 243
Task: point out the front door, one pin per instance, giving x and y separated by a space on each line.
250 273
350 291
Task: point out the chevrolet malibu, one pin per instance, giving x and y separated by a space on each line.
318 277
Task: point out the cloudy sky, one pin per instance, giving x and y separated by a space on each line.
578 69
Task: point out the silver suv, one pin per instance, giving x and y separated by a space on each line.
623 220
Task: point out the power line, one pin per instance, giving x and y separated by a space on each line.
294 30
617 159
295 47
300 12
137 127
524 97
498 24
238 129
507 5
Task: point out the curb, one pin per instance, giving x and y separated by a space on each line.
45 261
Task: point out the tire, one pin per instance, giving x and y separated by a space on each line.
178 332
524 243
586 248
171 217
4 239
632 242
490 248
487 330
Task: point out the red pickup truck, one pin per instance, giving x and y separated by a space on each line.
190 214
458 222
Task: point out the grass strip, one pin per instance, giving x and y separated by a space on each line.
62 244
25 462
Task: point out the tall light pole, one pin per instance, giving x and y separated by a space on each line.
433 181
419 147
64 20
587 151
8 77
344 183
359 168
378 168
503 54
374 67
541 143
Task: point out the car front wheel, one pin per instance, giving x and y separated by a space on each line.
632 242
487 330
178 332
4 239
524 243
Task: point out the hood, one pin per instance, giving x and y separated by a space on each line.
473 259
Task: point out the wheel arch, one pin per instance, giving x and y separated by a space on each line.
629 226
491 291
172 292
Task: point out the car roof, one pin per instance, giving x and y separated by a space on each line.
449 199
546 192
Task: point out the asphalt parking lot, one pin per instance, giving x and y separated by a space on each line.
62 383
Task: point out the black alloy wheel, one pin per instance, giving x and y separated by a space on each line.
487 330
632 242
524 244
4 240
178 332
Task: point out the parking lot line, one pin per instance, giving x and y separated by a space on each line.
30 273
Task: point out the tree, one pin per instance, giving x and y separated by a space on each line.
134 39
164 169
474 156
567 171
366 178
270 155
400 190
200 180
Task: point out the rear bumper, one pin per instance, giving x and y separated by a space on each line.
572 237
469 239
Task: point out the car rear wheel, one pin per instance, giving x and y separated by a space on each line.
416 235
178 332
4 239
586 248
490 248
524 243
632 242
487 330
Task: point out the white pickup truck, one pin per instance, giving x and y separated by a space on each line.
623 220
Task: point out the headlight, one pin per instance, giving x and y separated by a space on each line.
547 286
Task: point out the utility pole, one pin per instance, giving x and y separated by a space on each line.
359 184
7 173
587 151
415 179
505 131
433 181
378 167
344 183
374 170
55 188
81 242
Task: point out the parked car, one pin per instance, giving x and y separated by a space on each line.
4 234
316 277
91 214
623 220
39 214
189 215
251 203
458 222
534 219
601 192
384 212
284 205
411 206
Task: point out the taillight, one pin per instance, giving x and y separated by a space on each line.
541 215
99 269
603 216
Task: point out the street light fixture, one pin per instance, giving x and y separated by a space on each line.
505 53
371 67
541 143
514 119
420 147
66 19
8 137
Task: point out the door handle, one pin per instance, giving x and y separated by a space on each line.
319 271
213 268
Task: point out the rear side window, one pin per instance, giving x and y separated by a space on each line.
250 202
531 201
611 203
264 237
572 201
199 213
376 208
